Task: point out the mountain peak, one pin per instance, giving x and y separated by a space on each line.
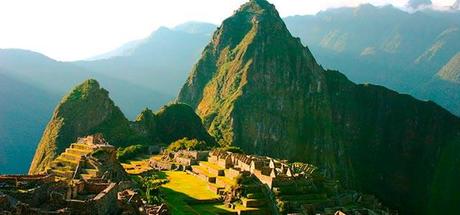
90 84
85 110
257 6
259 88
84 90
415 4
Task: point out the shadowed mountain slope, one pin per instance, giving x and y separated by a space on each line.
259 88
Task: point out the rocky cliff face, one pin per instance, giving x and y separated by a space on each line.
87 110
259 88
451 71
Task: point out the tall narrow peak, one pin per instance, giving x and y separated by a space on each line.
253 63
259 88
254 24
86 109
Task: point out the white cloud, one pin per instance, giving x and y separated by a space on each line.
76 29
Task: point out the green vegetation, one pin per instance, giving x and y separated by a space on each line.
233 149
87 110
187 144
131 152
186 194
177 121
259 88
150 186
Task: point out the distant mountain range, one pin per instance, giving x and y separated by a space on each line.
359 41
160 62
146 73
387 46
22 116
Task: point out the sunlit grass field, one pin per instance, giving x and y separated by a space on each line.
183 188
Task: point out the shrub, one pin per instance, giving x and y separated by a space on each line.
233 149
130 152
187 144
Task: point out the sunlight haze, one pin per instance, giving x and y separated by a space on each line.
73 30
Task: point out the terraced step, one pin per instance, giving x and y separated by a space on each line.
66 162
92 172
224 181
211 165
213 169
77 151
81 146
252 203
86 176
71 156
62 173
202 171
231 173
215 188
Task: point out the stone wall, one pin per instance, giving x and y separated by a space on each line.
10 179
105 202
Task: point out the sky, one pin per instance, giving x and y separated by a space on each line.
77 29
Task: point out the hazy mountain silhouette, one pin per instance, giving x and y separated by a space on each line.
159 62
386 46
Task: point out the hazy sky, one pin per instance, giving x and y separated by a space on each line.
77 29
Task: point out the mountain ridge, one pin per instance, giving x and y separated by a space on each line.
87 109
362 39
259 88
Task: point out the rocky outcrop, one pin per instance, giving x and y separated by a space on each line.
87 110
451 71
259 88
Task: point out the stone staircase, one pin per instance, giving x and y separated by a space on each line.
219 179
67 163
88 173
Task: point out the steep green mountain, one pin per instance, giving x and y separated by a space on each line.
259 88
362 40
32 84
22 111
87 109
152 69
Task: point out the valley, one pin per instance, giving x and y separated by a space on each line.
260 125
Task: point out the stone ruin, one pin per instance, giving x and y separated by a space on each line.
90 157
297 188
85 179
180 160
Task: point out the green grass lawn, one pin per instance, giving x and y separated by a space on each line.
182 188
